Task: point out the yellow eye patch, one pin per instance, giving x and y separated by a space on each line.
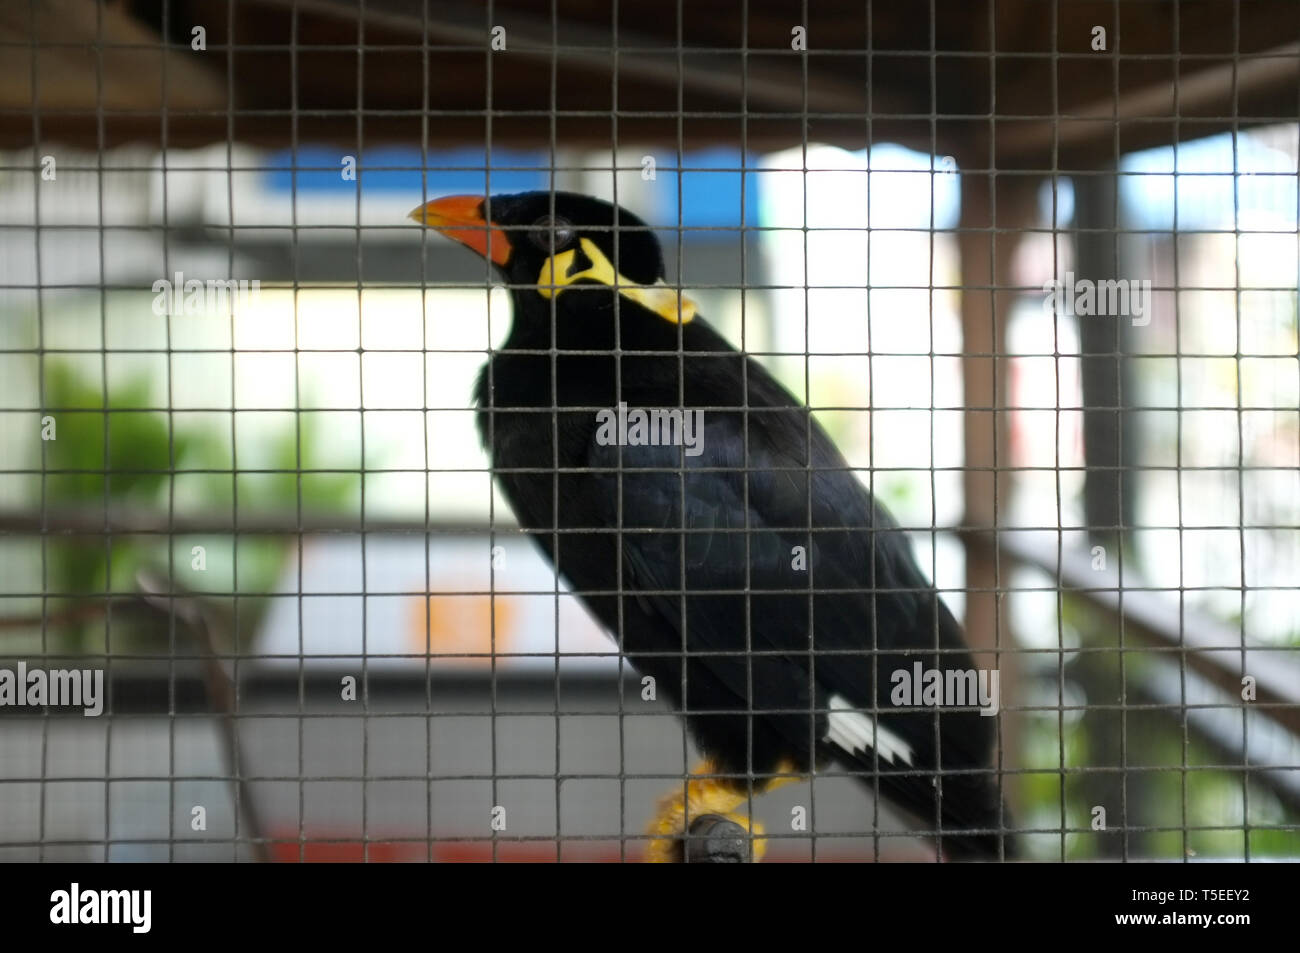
588 262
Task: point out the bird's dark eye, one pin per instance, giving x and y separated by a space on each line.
551 234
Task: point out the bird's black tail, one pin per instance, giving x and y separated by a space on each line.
974 822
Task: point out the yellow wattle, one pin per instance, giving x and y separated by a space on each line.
659 298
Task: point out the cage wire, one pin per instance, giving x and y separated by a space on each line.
259 512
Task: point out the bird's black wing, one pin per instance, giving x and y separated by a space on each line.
814 635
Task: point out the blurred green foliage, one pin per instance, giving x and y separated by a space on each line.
108 453
1178 788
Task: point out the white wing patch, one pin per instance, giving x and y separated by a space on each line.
855 731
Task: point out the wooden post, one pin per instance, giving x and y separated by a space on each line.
994 212
1108 449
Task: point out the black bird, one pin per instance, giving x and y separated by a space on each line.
725 545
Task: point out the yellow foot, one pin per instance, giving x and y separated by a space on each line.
701 796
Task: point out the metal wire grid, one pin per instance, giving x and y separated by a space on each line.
497 712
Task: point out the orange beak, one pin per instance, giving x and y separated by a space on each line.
460 218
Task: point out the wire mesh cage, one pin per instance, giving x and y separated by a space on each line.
274 590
